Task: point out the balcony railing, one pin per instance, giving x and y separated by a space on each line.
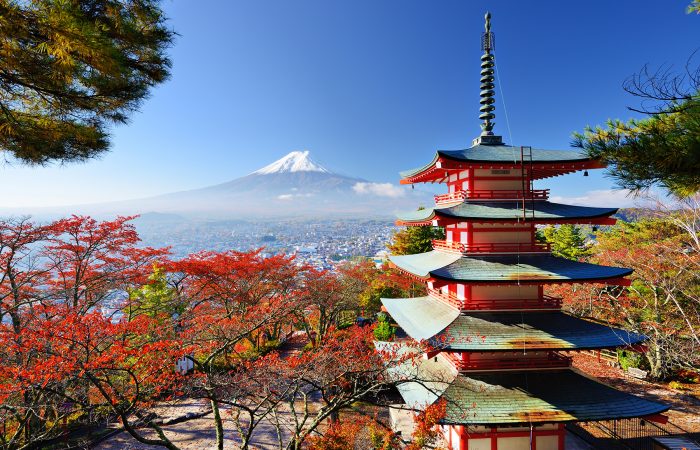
553 360
483 194
448 298
491 247
546 302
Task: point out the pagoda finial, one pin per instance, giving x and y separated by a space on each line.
487 92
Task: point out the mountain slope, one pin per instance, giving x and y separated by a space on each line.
292 187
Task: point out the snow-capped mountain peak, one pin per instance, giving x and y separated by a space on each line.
297 161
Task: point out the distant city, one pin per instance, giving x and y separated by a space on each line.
321 244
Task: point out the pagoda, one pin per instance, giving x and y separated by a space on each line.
499 346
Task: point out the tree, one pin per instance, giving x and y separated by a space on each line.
231 299
661 149
69 69
413 240
566 240
155 298
663 301
64 355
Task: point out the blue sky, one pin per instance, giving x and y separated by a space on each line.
370 87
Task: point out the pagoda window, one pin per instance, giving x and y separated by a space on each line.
461 292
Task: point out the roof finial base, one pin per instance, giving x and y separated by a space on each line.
488 139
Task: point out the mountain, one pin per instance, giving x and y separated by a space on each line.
295 186
295 175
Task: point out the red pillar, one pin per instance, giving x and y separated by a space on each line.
494 438
562 435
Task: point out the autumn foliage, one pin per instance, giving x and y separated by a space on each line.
92 324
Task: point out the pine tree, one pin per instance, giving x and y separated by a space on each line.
413 240
70 69
567 241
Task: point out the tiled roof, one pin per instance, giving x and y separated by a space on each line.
426 318
548 396
502 153
508 210
513 397
504 268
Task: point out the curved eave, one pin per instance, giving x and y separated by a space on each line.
421 318
507 211
500 269
421 264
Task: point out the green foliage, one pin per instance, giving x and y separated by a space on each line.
567 241
370 299
694 7
383 331
663 149
629 359
412 240
156 297
70 69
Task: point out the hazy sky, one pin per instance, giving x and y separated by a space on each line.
370 87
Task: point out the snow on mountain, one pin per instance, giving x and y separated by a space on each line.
293 162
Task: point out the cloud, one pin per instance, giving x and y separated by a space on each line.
379 189
611 198
293 196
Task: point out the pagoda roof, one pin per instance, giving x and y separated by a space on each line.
486 154
522 268
427 318
500 398
508 210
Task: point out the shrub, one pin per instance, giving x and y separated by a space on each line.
383 331
628 359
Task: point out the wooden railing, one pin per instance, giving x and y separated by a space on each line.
491 247
490 194
546 302
448 298
552 360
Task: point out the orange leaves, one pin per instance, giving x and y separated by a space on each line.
426 425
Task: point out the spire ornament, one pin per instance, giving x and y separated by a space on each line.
487 78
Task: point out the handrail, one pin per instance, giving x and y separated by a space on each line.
512 363
492 194
546 302
491 247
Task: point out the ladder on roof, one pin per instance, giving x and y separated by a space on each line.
526 180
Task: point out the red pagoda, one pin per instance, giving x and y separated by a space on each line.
499 340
